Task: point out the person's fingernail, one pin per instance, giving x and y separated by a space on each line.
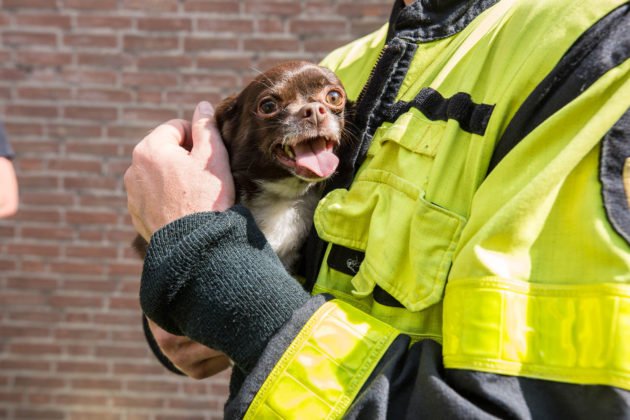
205 108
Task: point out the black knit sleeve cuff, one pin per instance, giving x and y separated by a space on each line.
214 278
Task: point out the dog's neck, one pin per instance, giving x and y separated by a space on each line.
283 210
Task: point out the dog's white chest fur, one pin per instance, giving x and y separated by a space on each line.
284 212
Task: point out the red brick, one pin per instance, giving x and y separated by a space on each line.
12 74
137 402
23 129
82 334
23 281
148 115
85 77
165 24
108 22
111 201
91 5
91 113
82 400
29 39
30 4
109 60
222 24
189 403
67 301
77 130
33 316
143 43
149 79
91 149
226 62
274 8
31 382
21 331
321 45
38 181
33 249
271 44
40 414
95 415
151 5
361 28
44 20
270 25
96 384
164 62
198 43
21 365
90 40
317 27
76 165
123 352
214 6
36 215
49 233
32 111
49 93
76 268
121 303
135 369
27 164
210 80
190 99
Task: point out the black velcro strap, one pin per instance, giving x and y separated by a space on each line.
602 47
471 117
345 260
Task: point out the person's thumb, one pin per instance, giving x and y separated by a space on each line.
205 134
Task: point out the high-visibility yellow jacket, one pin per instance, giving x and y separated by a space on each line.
517 263
478 263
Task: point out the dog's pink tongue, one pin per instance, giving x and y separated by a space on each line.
316 157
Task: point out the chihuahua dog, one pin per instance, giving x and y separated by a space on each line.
284 133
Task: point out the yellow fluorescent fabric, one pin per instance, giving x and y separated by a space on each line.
325 366
573 334
537 221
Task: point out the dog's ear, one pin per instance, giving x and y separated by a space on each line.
226 114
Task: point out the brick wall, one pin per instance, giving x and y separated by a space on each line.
81 81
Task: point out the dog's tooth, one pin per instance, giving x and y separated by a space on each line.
289 151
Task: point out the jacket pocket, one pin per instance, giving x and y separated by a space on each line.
408 241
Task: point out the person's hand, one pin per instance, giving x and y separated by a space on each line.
192 358
178 169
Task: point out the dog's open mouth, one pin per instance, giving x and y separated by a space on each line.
309 158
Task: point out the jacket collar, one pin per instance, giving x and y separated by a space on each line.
428 20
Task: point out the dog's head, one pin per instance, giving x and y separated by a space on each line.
289 121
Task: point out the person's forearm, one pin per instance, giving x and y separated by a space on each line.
9 189
213 277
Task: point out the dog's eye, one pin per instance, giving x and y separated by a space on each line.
268 106
334 98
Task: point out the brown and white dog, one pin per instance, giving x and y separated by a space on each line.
283 133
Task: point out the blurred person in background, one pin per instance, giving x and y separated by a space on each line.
8 180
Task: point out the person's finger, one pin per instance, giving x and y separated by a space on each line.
205 135
176 132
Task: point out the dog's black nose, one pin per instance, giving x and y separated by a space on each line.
314 112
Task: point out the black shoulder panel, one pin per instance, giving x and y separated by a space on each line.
615 152
602 47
